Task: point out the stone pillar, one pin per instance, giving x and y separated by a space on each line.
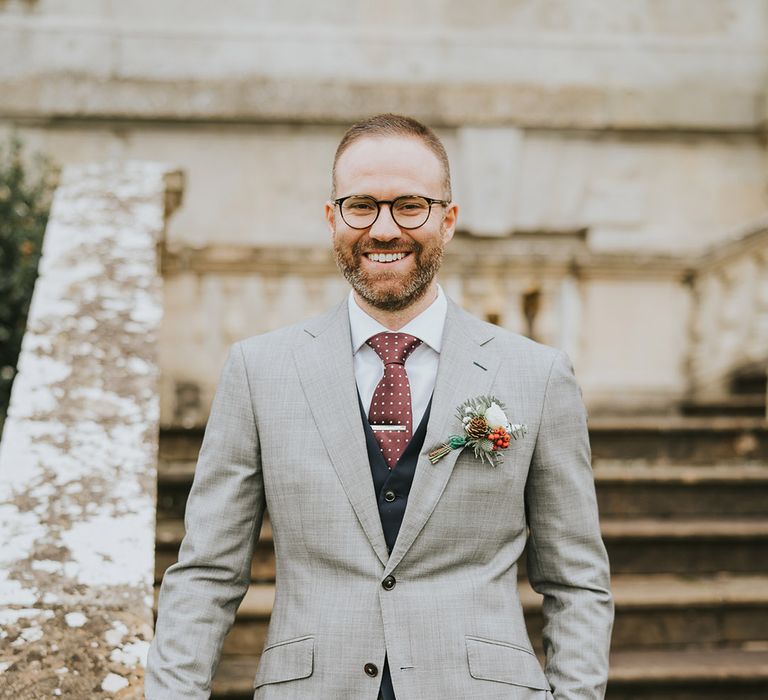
78 454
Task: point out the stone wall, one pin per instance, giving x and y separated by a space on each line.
79 447
555 63
640 125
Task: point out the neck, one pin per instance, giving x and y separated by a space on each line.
395 320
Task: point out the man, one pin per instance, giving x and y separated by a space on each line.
396 576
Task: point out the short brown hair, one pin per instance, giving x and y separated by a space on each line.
395 125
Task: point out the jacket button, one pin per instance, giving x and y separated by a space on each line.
371 670
389 583
389 496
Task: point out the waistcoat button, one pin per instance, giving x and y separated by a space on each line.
371 670
389 496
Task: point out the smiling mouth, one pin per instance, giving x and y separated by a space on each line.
385 257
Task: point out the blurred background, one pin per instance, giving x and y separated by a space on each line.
610 164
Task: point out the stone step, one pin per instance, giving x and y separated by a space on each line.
234 677
679 439
669 439
635 546
624 489
640 489
668 611
695 546
658 611
746 405
680 499
750 380
174 479
709 674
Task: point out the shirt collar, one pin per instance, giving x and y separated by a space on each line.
427 326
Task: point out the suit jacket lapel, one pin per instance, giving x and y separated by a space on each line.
468 366
324 364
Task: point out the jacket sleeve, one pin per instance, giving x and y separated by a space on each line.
200 594
567 561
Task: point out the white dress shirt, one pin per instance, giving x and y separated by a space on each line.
421 365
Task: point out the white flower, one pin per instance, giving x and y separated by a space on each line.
495 417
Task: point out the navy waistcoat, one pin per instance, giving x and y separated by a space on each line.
392 487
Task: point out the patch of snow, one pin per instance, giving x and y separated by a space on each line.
13 593
87 323
75 619
136 365
29 634
19 531
131 654
9 616
112 683
115 636
149 314
110 551
48 565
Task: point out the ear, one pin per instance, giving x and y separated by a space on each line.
448 227
330 216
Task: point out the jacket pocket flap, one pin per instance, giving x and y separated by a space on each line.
286 661
506 663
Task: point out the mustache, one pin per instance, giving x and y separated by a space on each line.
361 247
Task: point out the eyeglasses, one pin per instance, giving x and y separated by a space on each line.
409 211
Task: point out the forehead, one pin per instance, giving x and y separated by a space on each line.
387 166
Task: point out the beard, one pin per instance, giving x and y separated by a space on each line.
385 290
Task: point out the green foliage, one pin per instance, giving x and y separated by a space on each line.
25 196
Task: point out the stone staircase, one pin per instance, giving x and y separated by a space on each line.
684 511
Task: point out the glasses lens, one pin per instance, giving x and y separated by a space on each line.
410 212
359 212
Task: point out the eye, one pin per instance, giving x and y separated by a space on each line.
411 206
359 205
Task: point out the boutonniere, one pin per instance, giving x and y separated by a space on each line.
486 429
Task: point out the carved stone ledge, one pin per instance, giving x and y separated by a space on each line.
547 253
258 100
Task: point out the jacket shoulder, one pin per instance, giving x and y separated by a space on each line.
508 342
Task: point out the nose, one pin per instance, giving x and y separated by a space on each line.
384 228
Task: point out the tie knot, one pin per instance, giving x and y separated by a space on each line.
393 348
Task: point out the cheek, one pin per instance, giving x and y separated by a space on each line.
342 239
432 242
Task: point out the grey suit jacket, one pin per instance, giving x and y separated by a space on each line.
285 432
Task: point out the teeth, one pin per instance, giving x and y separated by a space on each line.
385 257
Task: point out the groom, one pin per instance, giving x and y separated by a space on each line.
396 576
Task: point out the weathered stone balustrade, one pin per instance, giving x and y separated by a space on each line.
77 458
602 308
729 320
645 331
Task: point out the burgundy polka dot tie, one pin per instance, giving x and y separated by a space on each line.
391 403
